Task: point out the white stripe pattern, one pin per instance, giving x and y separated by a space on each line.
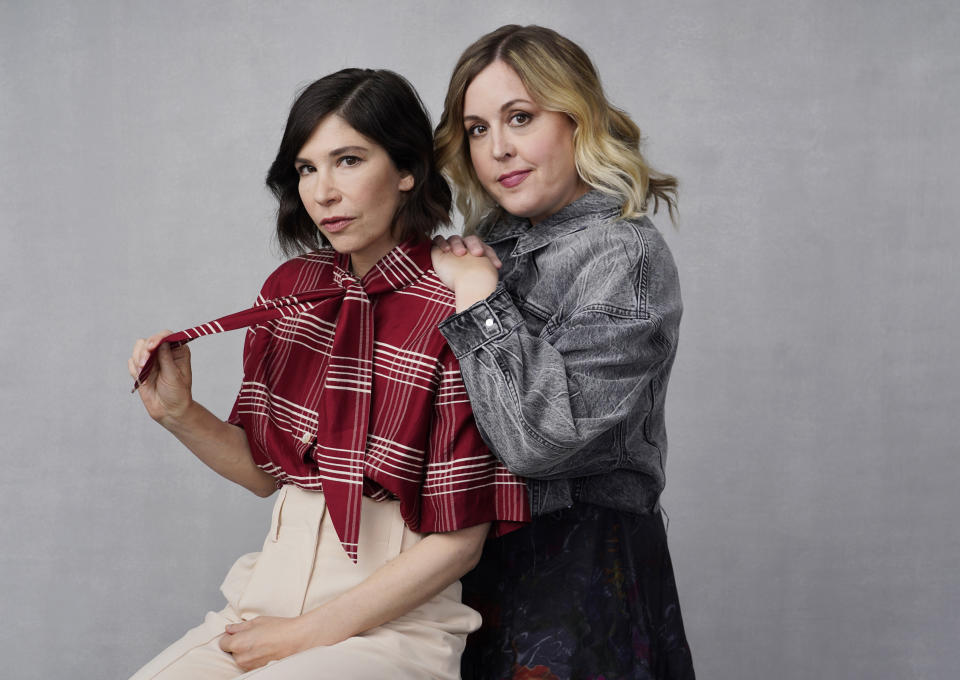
421 447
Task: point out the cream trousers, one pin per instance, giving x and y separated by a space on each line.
301 566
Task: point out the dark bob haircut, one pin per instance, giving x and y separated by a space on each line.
383 107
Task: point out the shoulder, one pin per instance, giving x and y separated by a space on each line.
423 289
303 272
434 291
626 242
615 266
615 245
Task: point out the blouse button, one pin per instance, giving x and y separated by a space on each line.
305 437
488 323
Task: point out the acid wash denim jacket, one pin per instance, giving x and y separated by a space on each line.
566 363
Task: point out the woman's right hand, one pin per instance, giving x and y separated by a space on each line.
166 392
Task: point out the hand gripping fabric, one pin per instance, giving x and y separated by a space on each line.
344 404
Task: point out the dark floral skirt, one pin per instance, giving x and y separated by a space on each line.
585 593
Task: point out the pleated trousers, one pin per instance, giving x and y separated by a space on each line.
302 566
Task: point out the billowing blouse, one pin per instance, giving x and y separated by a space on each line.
351 389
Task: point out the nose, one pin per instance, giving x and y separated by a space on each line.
502 146
325 193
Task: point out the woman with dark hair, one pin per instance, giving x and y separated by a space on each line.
566 357
352 404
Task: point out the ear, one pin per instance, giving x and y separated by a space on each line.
406 181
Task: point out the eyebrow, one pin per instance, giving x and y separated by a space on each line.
510 104
339 151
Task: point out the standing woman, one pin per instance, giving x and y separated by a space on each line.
352 404
566 360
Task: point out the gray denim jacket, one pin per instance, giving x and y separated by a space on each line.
567 361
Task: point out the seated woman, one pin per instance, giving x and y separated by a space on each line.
353 405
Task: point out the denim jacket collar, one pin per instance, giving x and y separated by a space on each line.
564 221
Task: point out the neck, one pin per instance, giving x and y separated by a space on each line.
361 263
360 269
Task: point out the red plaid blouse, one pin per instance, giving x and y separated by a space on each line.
356 391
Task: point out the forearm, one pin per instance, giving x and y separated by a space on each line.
540 399
221 446
519 385
404 583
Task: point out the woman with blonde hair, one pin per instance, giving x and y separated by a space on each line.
566 353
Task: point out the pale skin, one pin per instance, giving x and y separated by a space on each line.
471 279
523 156
354 184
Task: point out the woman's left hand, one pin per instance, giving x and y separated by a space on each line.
471 278
462 245
257 642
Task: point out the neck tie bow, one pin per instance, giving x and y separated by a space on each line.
347 384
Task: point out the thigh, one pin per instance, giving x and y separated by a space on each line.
583 592
356 658
196 655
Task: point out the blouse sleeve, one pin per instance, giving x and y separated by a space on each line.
267 292
464 484
235 417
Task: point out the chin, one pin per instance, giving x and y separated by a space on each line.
511 202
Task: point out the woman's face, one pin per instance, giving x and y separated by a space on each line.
351 189
522 153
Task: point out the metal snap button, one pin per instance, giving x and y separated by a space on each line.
488 323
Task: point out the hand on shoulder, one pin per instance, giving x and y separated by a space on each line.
461 245
464 261
471 277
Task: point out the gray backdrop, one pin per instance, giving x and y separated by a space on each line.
813 413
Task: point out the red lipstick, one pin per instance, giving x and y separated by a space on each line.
512 179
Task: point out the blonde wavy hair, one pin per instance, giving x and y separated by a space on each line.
559 75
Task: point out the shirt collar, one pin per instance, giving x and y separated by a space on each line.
405 264
565 221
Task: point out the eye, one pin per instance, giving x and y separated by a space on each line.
476 130
348 161
304 170
520 118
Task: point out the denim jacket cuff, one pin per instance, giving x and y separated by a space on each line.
483 322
